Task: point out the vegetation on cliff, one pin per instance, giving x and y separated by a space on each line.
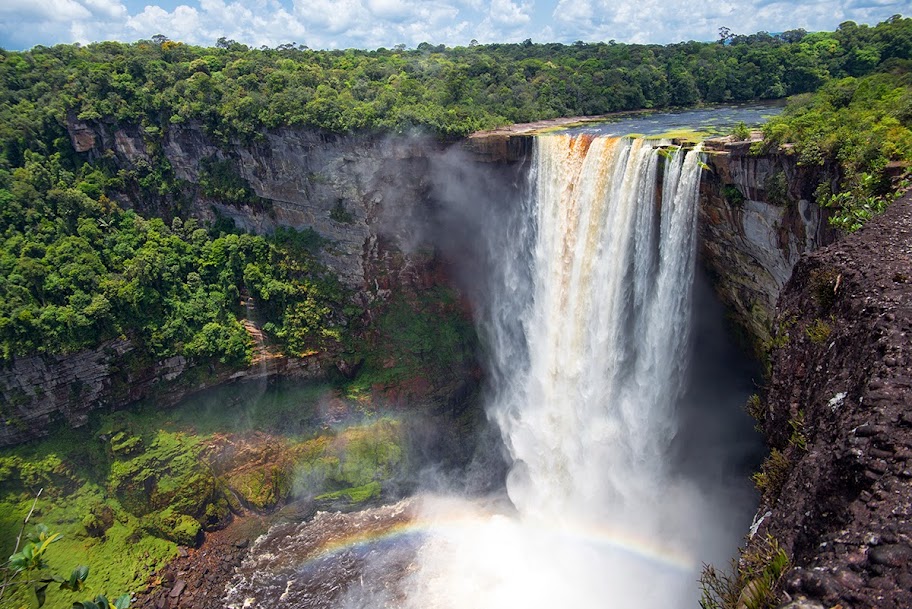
76 270
861 130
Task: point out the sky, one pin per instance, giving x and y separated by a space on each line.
330 24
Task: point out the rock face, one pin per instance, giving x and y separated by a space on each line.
38 392
757 217
840 502
367 195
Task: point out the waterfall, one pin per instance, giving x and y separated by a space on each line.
585 318
587 328
589 415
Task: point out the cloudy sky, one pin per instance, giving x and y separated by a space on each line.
376 23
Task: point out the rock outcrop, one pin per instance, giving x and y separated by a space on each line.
757 216
838 498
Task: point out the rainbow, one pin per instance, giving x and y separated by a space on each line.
455 525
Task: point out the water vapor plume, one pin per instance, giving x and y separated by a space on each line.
586 316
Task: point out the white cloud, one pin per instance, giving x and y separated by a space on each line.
396 11
510 13
179 24
109 9
373 23
50 10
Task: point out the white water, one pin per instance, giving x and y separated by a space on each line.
589 337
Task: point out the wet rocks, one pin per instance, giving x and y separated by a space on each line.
197 578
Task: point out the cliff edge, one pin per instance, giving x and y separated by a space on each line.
837 491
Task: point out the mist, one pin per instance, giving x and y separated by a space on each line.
626 466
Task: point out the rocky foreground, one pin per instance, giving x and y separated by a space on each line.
838 497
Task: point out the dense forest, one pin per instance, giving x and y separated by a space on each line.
235 90
75 269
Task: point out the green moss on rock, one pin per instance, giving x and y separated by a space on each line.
182 529
167 473
263 487
357 494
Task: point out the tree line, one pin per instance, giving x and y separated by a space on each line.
237 91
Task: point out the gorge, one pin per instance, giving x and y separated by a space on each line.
400 212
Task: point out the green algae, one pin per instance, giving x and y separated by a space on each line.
693 136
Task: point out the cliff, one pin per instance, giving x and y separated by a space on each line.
838 498
38 392
757 216
370 197
364 194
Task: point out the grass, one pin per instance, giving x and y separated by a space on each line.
694 136
752 582
119 562
818 331
772 475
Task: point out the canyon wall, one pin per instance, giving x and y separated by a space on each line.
40 391
757 217
383 204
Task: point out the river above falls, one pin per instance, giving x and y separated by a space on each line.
718 120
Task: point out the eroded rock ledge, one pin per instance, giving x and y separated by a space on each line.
840 502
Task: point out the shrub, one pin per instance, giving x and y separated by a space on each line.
819 331
772 475
740 132
751 583
733 195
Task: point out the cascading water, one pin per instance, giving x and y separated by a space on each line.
587 323
588 328
588 418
